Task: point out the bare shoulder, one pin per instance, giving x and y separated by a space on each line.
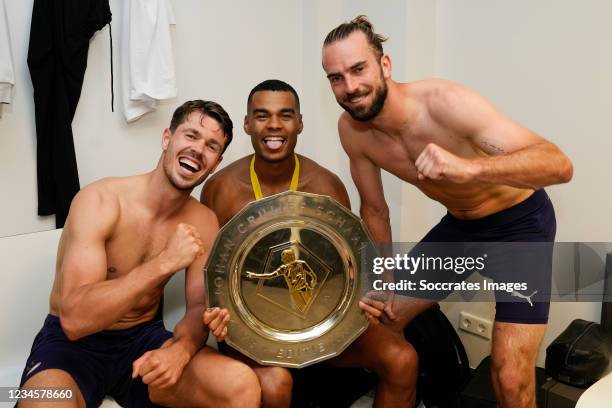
232 170
229 174
319 180
202 217
96 207
104 193
455 106
348 125
352 134
432 87
316 171
440 95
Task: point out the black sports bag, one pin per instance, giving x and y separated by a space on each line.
580 355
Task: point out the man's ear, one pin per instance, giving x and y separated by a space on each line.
301 124
166 138
385 63
245 124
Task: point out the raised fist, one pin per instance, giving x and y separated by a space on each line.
436 163
183 247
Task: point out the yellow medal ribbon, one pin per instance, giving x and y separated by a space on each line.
255 181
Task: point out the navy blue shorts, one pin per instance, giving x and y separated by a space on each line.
101 364
533 221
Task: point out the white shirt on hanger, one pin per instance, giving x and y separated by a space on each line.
7 75
147 63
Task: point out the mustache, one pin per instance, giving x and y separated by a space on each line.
347 97
195 155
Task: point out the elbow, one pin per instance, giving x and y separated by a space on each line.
71 327
566 171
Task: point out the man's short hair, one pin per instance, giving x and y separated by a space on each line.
359 23
274 85
207 108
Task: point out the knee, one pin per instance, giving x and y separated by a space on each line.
52 378
243 389
276 386
160 396
240 389
399 364
512 382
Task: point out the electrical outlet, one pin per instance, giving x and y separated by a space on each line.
475 325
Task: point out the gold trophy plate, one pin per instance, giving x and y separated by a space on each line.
287 267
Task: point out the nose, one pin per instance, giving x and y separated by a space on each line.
350 85
198 147
274 122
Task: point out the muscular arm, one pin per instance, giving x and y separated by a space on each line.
367 178
190 333
89 302
517 156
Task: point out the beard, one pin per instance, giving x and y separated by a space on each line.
182 187
368 112
176 181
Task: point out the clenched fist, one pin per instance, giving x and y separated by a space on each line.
436 163
162 367
183 247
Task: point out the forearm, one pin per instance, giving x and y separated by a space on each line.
378 224
534 167
380 228
97 306
190 333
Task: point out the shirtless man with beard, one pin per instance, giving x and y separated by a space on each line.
448 141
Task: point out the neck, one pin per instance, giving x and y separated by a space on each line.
398 112
162 198
272 174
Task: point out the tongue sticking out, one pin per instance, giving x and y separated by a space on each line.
274 144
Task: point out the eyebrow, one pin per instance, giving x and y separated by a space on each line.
266 111
192 130
355 65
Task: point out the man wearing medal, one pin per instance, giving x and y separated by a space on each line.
273 121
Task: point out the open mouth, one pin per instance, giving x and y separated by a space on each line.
355 99
274 142
189 164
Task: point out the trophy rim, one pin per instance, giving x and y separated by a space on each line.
348 317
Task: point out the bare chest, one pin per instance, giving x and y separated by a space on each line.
134 244
398 155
